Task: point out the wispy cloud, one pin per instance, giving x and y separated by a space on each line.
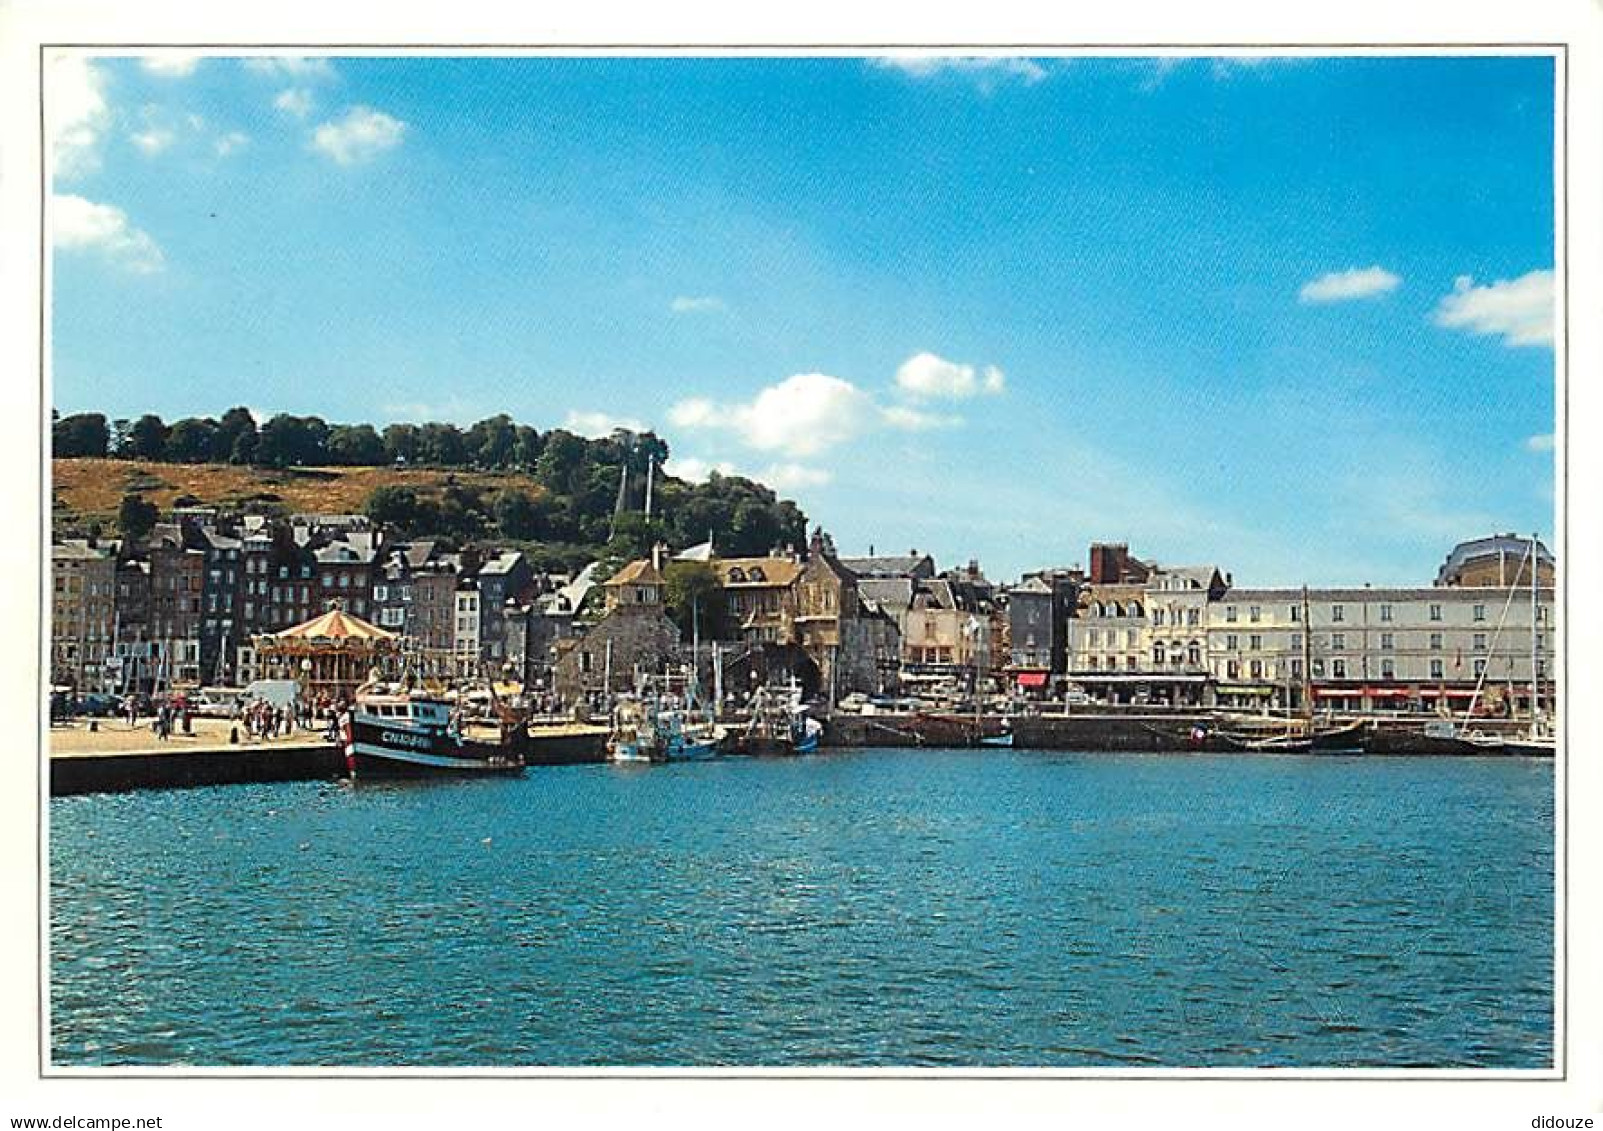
985 70
1157 69
1345 286
362 134
82 225
153 140
596 425
1520 310
1542 442
171 64
229 143
298 68
76 114
698 304
931 376
296 100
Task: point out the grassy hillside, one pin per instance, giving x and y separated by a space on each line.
86 490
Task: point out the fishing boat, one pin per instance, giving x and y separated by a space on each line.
642 732
396 732
777 727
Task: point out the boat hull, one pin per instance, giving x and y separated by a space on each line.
372 750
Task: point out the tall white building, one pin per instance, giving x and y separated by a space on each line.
1378 649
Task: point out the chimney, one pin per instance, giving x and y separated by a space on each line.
657 550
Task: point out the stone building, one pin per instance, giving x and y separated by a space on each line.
633 640
83 582
177 581
501 578
759 597
854 644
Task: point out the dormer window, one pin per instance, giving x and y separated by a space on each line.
756 574
737 574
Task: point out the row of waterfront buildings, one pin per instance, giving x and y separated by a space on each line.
189 604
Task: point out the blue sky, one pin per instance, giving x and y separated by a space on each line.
1292 317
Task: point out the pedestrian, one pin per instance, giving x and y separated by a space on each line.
130 707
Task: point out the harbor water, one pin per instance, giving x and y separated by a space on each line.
866 908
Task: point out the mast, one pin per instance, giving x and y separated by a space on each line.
695 648
651 467
1536 690
1307 659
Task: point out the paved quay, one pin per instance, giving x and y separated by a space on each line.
115 756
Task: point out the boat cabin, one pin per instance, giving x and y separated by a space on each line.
419 712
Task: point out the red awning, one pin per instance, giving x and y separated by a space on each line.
1388 692
1032 679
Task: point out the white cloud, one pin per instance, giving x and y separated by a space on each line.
1344 286
297 67
696 470
153 140
697 304
983 68
799 416
927 375
913 420
780 476
77 224
792 476
697 412
229 143
1542 442
1521 310
362 134
297 100
171 64
596 425
77 115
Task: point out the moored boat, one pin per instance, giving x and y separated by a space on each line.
643 733
400 733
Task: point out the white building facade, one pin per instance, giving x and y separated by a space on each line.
1439 648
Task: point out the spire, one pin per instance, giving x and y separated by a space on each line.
623 493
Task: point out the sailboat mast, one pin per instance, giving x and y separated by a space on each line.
1535 651
1307 658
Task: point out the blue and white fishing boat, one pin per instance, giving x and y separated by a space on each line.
644 733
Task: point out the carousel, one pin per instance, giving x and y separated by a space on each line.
329 656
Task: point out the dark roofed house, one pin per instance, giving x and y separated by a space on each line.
877 566
855 645
1500 560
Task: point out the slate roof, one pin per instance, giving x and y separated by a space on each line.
884 566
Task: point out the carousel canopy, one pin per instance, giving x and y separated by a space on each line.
336 627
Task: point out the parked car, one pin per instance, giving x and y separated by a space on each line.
97 704
216 702
853 703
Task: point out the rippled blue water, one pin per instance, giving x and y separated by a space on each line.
867 908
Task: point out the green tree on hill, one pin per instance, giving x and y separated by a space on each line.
82 434
136 517
147 438
192 440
